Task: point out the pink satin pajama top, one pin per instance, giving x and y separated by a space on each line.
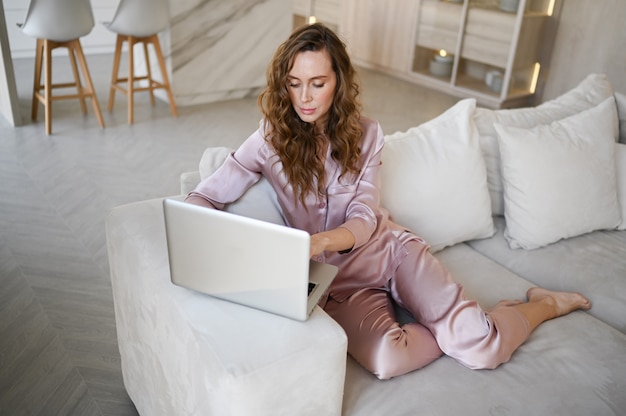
350 202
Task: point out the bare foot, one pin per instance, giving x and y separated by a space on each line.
563 302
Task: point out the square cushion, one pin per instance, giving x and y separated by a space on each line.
434 179
590 92
560 179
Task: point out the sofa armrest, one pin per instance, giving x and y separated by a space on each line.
183 352
189 181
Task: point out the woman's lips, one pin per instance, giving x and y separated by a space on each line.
307 111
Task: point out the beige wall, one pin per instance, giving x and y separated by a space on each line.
591 37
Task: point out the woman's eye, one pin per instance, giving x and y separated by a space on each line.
318 85
293 85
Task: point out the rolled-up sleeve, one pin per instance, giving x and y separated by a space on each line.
240 171
362 211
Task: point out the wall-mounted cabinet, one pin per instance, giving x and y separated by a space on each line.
493 47
488 49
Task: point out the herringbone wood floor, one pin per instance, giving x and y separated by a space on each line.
58 348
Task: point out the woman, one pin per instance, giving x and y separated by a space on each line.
323 160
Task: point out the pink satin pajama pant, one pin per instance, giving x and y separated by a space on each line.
447 322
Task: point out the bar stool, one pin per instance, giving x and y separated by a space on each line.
139 22
55 24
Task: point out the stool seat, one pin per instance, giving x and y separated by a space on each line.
139 22
140 18
58 20
56 24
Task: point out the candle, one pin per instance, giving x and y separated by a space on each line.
443 57
441 65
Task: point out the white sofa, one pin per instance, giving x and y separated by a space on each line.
188 354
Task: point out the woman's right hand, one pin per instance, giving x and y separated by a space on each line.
198 200
339 239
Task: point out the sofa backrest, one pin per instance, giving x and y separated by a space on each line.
260 201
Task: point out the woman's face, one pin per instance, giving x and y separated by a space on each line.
312 83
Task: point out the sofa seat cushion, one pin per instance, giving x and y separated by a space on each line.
184 352
593 264
570 366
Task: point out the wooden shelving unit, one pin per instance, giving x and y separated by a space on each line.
483 39
479 37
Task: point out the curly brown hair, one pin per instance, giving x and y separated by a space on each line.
295 140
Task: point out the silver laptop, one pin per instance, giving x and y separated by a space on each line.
244 260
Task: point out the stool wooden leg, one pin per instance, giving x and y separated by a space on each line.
131 81
37 82
71 49
166 82
116 68
47 64
92 91
148 71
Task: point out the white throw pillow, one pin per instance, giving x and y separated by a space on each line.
258 202
559 179
590 92
434 179
620 159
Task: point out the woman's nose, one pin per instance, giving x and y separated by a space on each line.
306 95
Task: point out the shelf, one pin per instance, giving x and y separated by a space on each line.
479 85
484 38
426 73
